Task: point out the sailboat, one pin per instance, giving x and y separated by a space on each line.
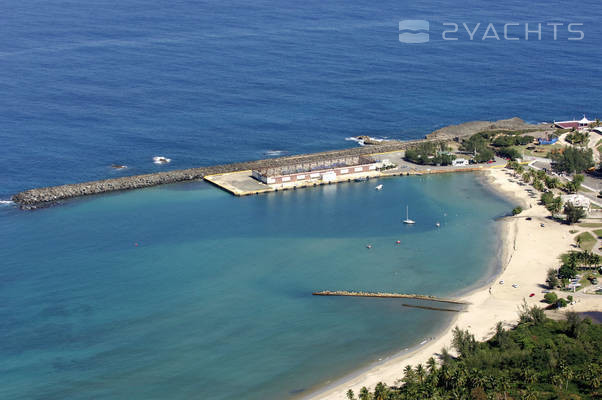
408 220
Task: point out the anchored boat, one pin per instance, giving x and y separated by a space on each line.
408 220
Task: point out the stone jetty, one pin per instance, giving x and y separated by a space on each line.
388 295
41 197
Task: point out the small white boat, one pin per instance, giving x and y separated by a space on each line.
161 160
408 221
379 187
438 225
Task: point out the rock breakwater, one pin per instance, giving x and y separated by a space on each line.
41 197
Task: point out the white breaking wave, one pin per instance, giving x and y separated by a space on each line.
273 153
354 139
161 160
7 202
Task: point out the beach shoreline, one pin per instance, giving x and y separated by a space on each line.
527 251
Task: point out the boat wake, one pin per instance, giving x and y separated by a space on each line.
274 153
6 202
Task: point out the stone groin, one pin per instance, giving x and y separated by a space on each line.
388 295
432 308
40 197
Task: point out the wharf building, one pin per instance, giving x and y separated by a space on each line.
328 170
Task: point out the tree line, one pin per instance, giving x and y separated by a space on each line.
538 359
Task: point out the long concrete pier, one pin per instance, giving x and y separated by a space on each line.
388 295
34 198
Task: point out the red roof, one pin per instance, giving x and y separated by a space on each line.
567 124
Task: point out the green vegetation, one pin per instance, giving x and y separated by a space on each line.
511 140
552 278
590 225
552 204
478 144
581 259
573 262
550 298
586 241
539 359
556 302
484 155
505 145
577 138
429 153
538 185
573 213
575 184
552 182
572 159
517 210
598 233
509 152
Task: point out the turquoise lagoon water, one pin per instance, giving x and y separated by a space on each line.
215 300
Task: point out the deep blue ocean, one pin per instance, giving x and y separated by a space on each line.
214 300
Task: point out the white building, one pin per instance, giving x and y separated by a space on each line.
459 162
578 200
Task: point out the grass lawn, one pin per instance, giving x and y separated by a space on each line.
586 241
598 232
584 283
590 225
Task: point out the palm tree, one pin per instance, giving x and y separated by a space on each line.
350 395
519 170
527 177
476 378
431 365
530 394
538 185
551 182
445 356
408 375
557 381
504 384
567 375
528 376
555 206
364 394
540 174
446 375
381 391
420 372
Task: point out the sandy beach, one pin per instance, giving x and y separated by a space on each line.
529 250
